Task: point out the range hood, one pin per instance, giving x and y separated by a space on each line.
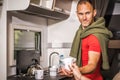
44 12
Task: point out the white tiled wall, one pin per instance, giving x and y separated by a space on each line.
61 51
63 33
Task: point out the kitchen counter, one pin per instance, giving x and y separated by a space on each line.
46 77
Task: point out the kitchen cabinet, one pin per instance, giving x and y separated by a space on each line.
63 6
53 9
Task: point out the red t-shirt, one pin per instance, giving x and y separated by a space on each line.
91 43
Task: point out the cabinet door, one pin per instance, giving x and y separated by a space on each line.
37 2
47 4
63 5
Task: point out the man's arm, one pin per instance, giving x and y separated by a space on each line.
76 73
93 59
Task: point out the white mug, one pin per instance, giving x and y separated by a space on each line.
53 71
67 62
39 74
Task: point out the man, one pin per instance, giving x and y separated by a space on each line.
90 44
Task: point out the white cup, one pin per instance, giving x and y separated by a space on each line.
39 74
67 62
53 71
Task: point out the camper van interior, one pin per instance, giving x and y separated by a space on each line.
33 33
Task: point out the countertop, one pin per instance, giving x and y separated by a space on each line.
46 77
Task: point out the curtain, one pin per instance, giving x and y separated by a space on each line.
100 6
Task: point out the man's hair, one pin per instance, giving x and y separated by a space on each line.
84 2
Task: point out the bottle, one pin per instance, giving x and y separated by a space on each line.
61 57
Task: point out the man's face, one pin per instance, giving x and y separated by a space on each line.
85 14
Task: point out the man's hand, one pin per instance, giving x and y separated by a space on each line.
65 72
76 72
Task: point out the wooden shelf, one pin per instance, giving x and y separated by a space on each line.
114 44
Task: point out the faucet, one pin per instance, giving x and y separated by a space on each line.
50 57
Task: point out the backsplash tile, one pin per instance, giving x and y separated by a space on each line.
59 45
